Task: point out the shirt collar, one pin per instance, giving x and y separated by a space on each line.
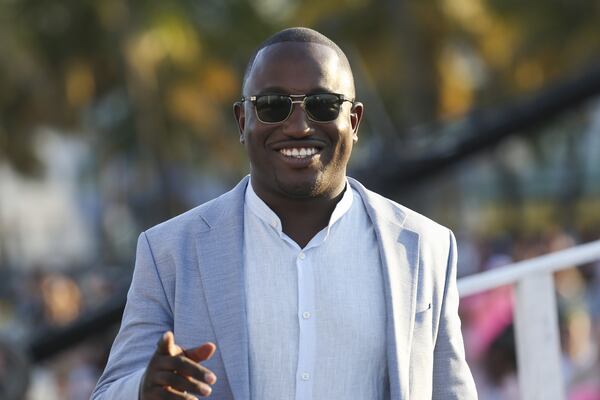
268 216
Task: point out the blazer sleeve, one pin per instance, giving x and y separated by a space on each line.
452 378
146 317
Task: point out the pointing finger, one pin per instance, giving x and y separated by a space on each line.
166 345
201 353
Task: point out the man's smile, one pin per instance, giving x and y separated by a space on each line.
302 152
299 153
299 156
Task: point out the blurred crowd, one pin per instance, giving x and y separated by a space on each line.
488 317
33 302
38 302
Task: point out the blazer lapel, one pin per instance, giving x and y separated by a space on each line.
399 249
220 250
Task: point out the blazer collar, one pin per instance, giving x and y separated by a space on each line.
219 247
399 249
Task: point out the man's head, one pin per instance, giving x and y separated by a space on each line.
298 35
298 147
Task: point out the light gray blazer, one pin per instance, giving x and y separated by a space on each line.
188 278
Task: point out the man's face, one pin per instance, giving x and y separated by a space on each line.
298 68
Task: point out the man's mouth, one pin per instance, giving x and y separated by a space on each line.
300 152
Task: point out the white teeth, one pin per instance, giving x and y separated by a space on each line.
299 153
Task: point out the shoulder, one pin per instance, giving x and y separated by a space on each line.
381 208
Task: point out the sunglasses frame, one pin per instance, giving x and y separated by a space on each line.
300 99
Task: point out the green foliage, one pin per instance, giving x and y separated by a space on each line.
151 75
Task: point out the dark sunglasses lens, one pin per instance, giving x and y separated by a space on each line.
323 107
273 108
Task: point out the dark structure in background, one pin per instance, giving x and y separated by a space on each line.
482 130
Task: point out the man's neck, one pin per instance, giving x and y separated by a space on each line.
301 219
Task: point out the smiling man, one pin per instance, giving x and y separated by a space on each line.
299 283
297 142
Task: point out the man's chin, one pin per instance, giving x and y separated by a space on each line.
300 189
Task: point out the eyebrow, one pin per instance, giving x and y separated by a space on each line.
272 90
280 90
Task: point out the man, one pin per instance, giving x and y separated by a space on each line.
299 283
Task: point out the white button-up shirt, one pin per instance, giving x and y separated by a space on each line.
316 315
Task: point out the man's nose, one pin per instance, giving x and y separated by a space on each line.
297 124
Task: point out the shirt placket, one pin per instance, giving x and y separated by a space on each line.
306 323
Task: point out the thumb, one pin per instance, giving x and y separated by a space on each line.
201 353
166 345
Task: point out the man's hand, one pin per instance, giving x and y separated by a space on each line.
174 373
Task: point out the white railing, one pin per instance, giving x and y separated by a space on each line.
536 320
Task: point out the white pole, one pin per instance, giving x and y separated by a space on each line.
537 338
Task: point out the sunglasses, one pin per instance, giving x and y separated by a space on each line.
276 108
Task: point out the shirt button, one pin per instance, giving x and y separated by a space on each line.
274 224
306 315
302 256
305 376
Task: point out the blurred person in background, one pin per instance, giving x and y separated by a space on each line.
14 370
310 285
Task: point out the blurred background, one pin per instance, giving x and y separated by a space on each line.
116 115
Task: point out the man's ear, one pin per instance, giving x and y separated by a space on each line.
356 114
240 118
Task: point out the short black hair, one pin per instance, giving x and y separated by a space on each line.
299 35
